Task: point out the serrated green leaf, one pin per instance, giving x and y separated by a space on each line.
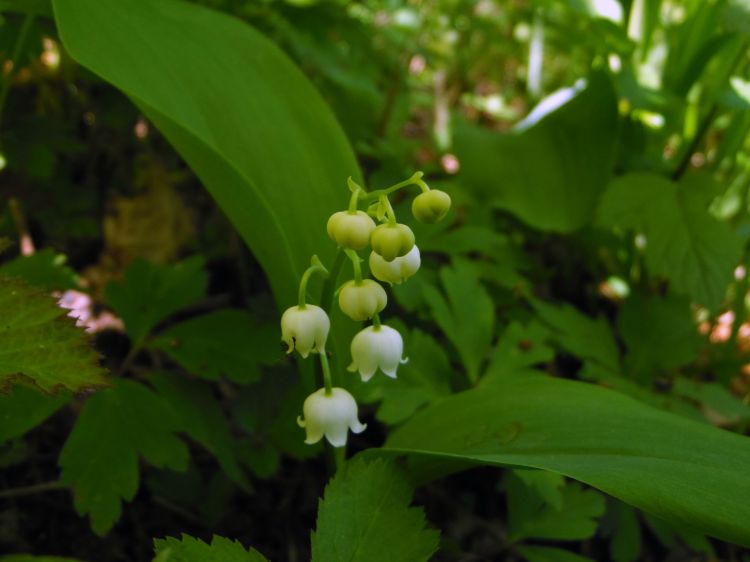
697 474
189 549
684 243
23 409
465 314
150 293
43 269
518 348
550 554
579 334
547 485
531 517
39 342
223 343
552 168
364 517
100 458
202 418
659 333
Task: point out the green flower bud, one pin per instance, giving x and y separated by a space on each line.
350 229
431 206
392 241
362 301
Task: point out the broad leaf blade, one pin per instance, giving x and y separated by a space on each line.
240 113
364 517
189 549
551 170
689 473
100 457
39 342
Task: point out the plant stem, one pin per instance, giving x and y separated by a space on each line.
15 60
354 257
415 179
315 267
326 372
33 489
376 322
354 200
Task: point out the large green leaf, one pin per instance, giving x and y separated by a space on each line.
364 517
40 343
685 472
551 169
684 243
237 110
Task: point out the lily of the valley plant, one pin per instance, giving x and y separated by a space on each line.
394 258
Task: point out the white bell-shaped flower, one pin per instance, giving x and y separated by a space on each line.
305 329
377 347
397 271
331 415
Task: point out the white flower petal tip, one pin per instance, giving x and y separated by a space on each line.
330 415
377 348
305 329
396 271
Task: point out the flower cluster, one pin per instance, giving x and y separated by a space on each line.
394 258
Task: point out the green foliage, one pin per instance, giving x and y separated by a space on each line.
464 314
581 335
599 437
550 554
227 343
40 343
684 243
422 380
189 549
201 417
151 292
364 516
552 169
241 114
23 409
518 348
44 269
532 517
658 333
100 458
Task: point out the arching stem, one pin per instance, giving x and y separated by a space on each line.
316 266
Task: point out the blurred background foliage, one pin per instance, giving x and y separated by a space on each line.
597 155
